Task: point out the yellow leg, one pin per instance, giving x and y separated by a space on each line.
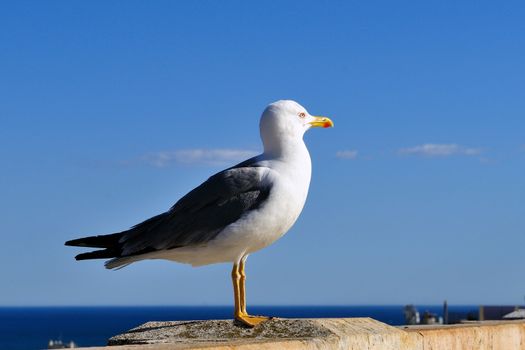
236 290
239 295
242 283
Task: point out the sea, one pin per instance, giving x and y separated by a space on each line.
31 328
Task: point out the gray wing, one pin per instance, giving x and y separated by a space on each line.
200 215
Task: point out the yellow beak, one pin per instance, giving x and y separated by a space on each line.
322 122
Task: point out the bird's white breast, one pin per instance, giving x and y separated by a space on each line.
290 180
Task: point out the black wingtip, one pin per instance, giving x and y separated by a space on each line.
98 254
72 243
101 241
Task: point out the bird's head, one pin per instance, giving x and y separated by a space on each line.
286 121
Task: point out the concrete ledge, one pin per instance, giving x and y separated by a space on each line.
349 333
473 335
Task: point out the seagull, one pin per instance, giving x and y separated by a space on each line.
234 213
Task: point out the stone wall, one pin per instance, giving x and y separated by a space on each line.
343 333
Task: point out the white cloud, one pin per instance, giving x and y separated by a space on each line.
347 154
220 156
440 150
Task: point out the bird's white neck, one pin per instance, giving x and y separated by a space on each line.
284 148
288 151
292 160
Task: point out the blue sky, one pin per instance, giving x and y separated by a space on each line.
112 110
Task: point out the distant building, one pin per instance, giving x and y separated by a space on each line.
496 312
515 315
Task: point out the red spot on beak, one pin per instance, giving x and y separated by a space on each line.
327 125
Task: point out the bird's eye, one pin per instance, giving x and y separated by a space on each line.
302 115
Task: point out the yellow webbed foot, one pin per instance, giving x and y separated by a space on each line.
251 321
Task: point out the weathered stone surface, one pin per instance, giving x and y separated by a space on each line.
215 331
356 333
